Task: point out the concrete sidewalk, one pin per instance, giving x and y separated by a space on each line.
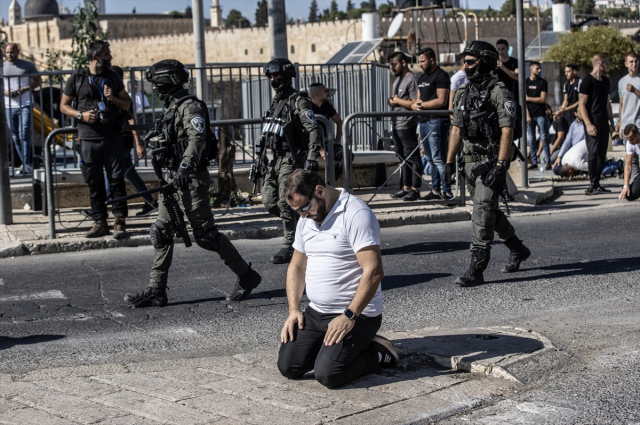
431 382
29 235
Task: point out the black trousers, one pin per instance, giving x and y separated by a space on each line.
107 153
634 188
333 366
404 142
597 148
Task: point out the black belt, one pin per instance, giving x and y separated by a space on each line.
282 153
474 157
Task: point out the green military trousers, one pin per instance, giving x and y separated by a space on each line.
279 170
487 217
197 207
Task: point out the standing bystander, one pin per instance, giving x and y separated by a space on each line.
595 109
457 79
100 96
565 115
629 90
17 102
337 261
631 188
403 129
536 90
507 70
433 95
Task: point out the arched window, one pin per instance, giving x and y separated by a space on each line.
313 48
261 50
293 49
246 52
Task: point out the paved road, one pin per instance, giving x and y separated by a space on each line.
580 289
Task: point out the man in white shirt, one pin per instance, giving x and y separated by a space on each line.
629 90
337 259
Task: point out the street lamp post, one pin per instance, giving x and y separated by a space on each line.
6 216
524 176
200 55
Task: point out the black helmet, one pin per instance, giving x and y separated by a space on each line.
168 75
282 67
488 56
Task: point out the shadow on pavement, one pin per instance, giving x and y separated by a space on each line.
400 281
598 267
8 342
427 248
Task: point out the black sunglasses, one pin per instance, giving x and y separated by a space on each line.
306 206
471 61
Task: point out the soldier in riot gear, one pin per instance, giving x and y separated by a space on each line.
182 143
484 118
291 133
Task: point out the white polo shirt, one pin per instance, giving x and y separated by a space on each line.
333 272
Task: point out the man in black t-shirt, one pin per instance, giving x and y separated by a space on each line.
536 96
320 104
507 70
100 95
566 114
433 95
595 108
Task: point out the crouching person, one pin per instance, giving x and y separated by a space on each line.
337 259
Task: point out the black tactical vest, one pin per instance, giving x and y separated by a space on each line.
477 110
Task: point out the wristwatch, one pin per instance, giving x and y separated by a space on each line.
502 162
351 315
79 116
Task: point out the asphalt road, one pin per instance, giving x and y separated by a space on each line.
580 289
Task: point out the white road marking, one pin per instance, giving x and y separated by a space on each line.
49 295
1 281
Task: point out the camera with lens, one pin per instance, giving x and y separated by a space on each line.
101 112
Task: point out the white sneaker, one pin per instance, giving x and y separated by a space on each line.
28 169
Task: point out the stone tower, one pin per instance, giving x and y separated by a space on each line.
15 13
216 14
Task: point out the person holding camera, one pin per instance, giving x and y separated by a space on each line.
99 96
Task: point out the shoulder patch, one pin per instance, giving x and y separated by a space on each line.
310 115
198 124
510 106
501 84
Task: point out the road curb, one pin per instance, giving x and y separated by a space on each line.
448 411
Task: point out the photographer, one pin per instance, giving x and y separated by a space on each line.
100 95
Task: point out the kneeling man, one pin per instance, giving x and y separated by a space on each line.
337 258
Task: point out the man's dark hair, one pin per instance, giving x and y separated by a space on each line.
400 56
572 66
96 48
503 41
534 63
547 106
316 85
302 182
118 71
630 129
632 54
428 52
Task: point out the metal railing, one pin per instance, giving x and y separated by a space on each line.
349 122
326 127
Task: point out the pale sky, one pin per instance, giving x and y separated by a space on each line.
295 8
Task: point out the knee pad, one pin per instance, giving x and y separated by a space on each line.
161 235
207 239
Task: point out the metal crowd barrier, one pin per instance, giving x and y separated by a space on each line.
348 123
326 127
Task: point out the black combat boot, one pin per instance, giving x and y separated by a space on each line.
156 297
244 285
479 262
283 256
519 253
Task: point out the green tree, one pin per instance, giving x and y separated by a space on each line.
508 9
313 11
349 5
356 13
85 29
332 16
584 6
334 6
262 14
54 62
488 13
579 47
385 10
236 20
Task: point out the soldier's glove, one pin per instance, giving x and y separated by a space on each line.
182 179
311 165
449 172
496 178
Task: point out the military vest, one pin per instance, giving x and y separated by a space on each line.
278 130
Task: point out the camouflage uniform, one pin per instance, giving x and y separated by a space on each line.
189 121
300 114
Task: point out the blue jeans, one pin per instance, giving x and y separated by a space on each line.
543 127
132 176
19 123
435 150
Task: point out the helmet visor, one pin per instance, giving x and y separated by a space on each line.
148 75
272 68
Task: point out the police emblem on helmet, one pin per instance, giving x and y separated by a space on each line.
198 124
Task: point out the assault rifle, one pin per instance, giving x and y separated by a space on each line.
168 190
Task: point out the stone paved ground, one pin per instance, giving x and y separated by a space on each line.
243 389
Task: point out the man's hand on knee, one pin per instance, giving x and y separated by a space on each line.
295 318
338 328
